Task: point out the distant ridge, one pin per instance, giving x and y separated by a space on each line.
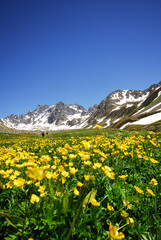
123 109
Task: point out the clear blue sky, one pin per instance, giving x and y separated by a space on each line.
76 51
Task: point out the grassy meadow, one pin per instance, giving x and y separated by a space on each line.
80 185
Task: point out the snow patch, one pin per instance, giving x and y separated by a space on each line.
108 122
100 119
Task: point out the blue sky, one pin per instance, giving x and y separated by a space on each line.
76 51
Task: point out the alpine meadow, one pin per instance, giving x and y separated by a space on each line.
84 184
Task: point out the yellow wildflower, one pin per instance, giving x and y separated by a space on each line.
123 177
73 170
124 214
87 163
79 184
65 174
149 191
42 189
138 190
71 164
110 174
34 199
48 175
9 184
127 204
86 144
28 182
58 194
153 160
96 165
35 173
71 156
110 208
130 221
19 182
98 126
145 158
94 202
76 192
87 177
63 180
153 182
114 234
53 167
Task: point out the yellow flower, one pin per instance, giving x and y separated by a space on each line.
96 165
76 192
98 126
58 194
110 208
49 175
153 182
149 191
42 190
87 163
71 164
65 174
127 204
19 182
114 234
71 156
9 184
34 198
138 190
123 177
94 202
145 158
35 173
124 214
86 144
153 160
63 180
110 174
79 184
28 182
130 221
30 239
88 178
73 170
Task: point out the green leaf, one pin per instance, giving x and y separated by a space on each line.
8 220
13 220
51 187
65 203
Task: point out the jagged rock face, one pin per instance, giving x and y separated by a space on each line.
119 109
92 109
59 116
124 103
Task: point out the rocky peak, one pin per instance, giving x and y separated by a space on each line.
92 109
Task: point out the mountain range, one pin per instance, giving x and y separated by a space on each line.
123 109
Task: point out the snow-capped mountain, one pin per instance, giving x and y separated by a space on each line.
121 109
55 117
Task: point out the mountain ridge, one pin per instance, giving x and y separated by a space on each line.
120 109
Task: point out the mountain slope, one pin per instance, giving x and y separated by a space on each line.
126 107
55 117
121 109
